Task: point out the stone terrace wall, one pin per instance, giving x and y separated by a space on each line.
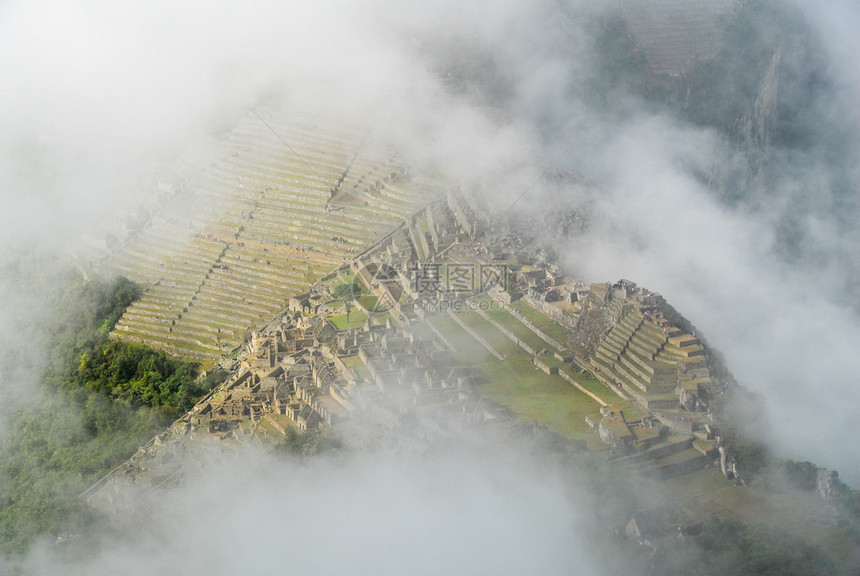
257 221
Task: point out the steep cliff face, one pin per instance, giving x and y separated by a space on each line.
759 122
762 87
752 70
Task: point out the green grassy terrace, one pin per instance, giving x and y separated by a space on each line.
517 384
549 326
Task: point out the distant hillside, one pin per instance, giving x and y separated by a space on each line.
753 70
676 36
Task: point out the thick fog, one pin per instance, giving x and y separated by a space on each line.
456 511
769 277
97 93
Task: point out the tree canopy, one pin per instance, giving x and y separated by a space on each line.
101 400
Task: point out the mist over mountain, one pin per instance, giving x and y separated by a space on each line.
729 185
368 513
727 182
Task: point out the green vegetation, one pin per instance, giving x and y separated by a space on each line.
519 330
751 456
516 383
773 475
467 349
139 375
347 293
800 475
309 443
730 547
356 320
355 363
631 410
488 332
86 360
369 302
102 400
543 322
539 397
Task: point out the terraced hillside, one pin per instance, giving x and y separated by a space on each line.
261 213
652 364
676 35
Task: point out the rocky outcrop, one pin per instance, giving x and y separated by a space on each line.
728 465
824 482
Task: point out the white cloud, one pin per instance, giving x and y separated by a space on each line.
459 512
95 91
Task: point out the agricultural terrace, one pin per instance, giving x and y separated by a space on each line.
543 322
583 378
262 213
